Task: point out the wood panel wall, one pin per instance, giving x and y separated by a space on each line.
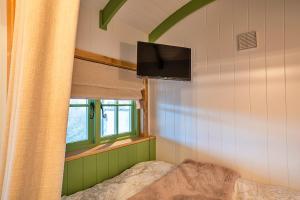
86 172
242 109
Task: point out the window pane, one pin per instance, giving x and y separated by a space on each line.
108 101
78 101
124 102
108 124
124 119
77 124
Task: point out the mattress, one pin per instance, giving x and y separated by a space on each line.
133 180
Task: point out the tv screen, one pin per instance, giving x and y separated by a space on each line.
163 61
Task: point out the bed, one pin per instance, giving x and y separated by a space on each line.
133 180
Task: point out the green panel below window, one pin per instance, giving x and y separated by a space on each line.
102 167
113 168
75 176
132 155
152 149
143 151
123 159
65 181
87 171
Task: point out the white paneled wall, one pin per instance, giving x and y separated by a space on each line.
119 41
242 109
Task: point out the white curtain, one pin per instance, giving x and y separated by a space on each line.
3 64
32 148
94 80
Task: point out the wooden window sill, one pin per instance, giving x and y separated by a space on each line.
105 147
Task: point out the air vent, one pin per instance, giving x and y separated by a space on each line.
247 40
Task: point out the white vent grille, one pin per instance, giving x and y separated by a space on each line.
247 40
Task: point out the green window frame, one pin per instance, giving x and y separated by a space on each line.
118 135
94 117
90 128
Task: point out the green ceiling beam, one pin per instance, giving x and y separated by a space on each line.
178 15
107 13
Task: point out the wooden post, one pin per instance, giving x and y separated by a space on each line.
145 109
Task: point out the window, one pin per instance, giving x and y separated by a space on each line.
92 122
78 121
116 117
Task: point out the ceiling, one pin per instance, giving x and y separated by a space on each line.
145 15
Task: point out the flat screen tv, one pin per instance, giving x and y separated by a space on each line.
163 61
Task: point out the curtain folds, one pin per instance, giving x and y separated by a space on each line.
3 65
94 80
32 148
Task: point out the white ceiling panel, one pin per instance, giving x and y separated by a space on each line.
145 15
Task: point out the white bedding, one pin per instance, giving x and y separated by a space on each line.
125 185
250 190
136 178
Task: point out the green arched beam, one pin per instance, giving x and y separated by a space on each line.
107 13
178 15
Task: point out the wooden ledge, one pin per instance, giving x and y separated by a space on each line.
105 147
97 58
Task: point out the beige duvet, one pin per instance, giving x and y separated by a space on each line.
192 180
133 180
